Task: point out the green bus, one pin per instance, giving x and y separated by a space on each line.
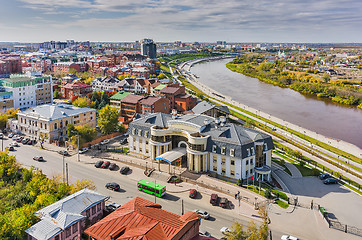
151 188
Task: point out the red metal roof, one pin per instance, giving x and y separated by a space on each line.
140 219
76 84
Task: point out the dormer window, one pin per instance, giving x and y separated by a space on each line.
252 151
223 150
232 152
214 148
265 147
248 152
133 131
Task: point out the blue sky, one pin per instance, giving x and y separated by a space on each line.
184 20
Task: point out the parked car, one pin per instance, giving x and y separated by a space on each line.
124 170
25 141
14 137
98 164
11 135
202 213
14 144
123 141
112 166
38 158
30 142
193 193
105 141
105 164
224 230
324 176
330 181
111 207
204 233
63 152
10 148
1 135
83 150
224 202
288 237
214 199
113 186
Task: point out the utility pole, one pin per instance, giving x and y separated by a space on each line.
78 149
63 169
155 190
182 207
66 168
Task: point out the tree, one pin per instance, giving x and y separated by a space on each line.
43 137
102 104
3 121
73 98
96 104
56 94
108 119
71 131
94 96
82 102
85 134
105 97
326 77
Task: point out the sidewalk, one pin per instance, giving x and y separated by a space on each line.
295 171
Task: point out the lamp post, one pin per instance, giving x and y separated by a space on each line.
78 148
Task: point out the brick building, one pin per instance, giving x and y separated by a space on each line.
75 89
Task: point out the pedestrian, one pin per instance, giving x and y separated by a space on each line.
236 195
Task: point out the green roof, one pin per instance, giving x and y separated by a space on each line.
120 95
160 87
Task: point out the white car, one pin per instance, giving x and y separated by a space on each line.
202 213
105 141
288 237
14 144
204 233
224 230
83 150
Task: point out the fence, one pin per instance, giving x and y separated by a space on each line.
342 227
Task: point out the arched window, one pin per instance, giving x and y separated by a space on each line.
55 126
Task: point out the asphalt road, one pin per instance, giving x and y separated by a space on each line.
52 166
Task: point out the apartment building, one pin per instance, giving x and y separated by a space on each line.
6 100
75 89
29 89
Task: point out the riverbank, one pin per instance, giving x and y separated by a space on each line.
302 83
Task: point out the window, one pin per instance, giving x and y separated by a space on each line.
248 152
232 162
251 161
140 133
55 126
56 237
99 207
75 228
232 152
247 162
265 147
133 131
67 232
232 173
214 168
93 210
223 150
214 148
88 213
252 151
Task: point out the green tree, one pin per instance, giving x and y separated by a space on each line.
71 131
56 94
85 133
108 119
82 102
105 97
102 104
94 96
96 104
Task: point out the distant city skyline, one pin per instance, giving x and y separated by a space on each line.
188 21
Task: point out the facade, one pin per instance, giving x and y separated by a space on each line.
75 89
105 84
179 100
66 218
130 105
154 104
29 89
10 63
148 47
115 100
208 144
52 120
64 67
6 100
152 223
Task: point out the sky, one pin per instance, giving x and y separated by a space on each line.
182 20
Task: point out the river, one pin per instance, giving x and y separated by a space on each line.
323 117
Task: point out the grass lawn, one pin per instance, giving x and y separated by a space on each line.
305 171
282 204
282 164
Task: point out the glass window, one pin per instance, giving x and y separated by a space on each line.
223 150
232 152
67 232
232 162
93 210
214 148
99 207
75 228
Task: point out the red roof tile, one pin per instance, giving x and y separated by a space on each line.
132 99
141 219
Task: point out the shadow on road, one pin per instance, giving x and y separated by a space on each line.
171 197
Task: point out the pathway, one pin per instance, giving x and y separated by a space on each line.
294 170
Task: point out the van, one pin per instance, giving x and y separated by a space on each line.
214 199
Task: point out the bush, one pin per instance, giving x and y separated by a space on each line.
268 194
239 182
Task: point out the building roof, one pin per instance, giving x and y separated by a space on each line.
55 111
170 90
120 95
204 106
63 213
76 85
140 219
149 100
132 98
160 86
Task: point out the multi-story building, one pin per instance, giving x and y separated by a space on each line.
105 84
143 219
29 89
115 100
10 63
75 89
154 105
130 105
148 47
203 144
6 100
179 100
52 120
67 218
64 67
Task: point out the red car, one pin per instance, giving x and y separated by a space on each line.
193 193
105 164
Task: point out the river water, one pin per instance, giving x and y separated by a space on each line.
323 117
